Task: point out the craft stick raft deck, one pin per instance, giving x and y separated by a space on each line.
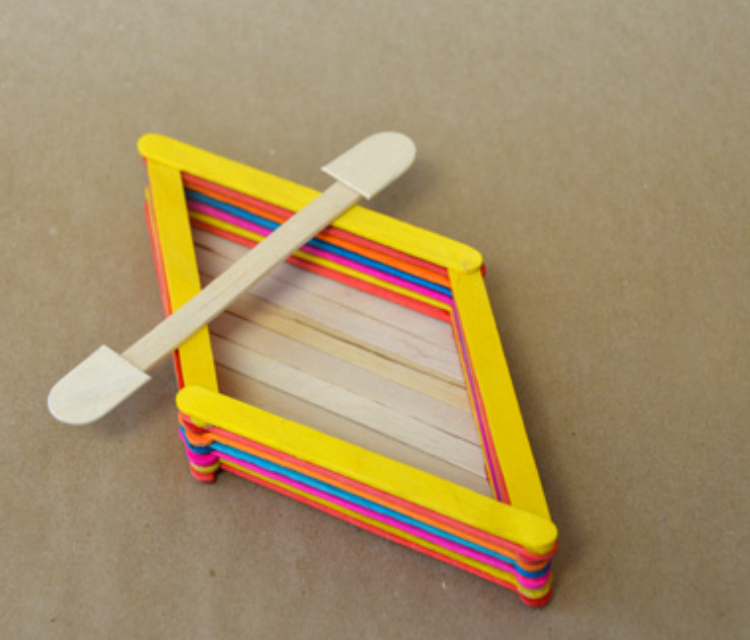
365 377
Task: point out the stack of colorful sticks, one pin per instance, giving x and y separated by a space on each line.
364 377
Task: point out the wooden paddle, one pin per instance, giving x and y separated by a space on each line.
104 379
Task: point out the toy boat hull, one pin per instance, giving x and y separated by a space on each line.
365 377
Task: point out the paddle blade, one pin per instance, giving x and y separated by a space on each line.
95 387
370 166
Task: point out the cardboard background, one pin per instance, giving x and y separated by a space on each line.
595 152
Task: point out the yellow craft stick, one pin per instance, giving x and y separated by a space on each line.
168 193
505 423
536 534
275 190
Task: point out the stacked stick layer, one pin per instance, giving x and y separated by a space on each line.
398 278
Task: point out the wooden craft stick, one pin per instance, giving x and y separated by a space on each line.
397 343
438 333
106 378
381 418
343 374
286 323
261 395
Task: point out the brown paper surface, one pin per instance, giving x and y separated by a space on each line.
595 153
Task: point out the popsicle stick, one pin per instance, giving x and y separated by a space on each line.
241 458
207 438
285 323
505 422
426 328
368 332
535 534
343 374
166 192
381 418
261 395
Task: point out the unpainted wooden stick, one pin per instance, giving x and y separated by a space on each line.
282 404
378 417
333 370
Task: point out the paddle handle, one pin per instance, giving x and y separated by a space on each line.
221 292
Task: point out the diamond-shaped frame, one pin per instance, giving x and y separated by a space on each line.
509 540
